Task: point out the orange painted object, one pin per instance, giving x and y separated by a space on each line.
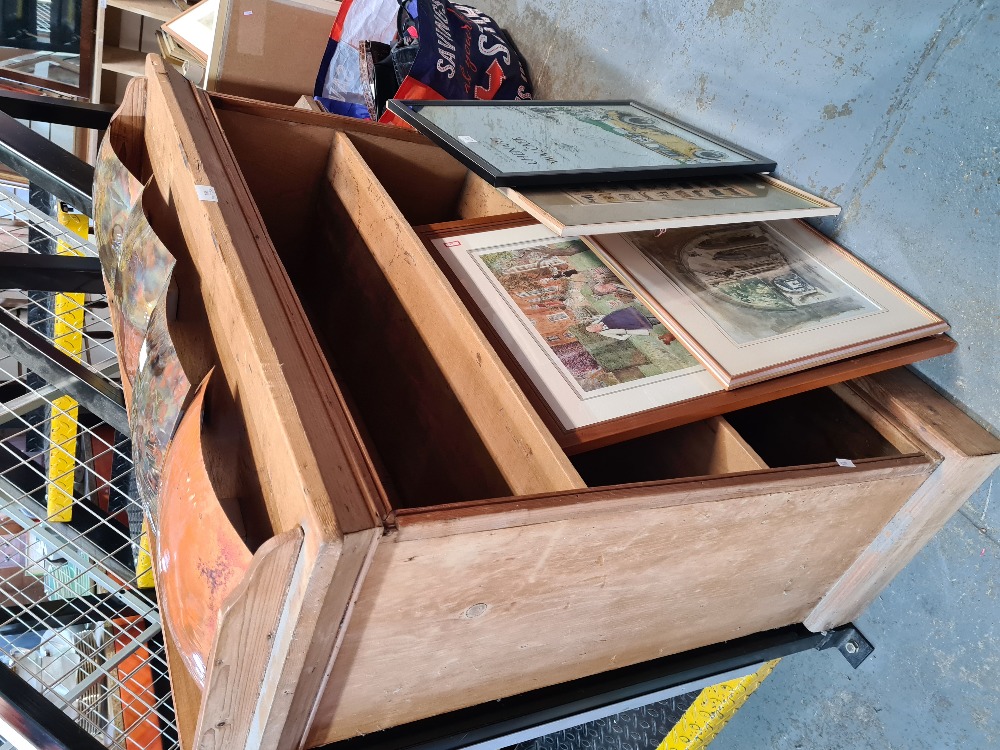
200 557
139 717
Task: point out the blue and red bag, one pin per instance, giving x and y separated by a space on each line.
463 54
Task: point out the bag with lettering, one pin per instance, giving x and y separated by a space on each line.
443 50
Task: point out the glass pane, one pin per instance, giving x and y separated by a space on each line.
41 38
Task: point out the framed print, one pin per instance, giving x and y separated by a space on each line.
588 345
582 417
533 144
635 207
759 300
194 29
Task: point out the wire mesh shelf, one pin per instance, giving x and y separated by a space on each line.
76 622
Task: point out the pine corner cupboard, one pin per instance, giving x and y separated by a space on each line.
422 541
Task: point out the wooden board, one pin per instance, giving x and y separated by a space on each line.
523 449
312 467
505 513
449 622
247 626
969 456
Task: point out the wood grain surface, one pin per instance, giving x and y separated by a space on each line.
522 447
448 622
969 456
312 466
248 624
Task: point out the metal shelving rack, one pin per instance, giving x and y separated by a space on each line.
79 632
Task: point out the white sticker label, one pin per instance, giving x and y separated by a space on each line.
143 353
466 139
206 193
248 13
846 463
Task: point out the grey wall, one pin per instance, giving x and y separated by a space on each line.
890 109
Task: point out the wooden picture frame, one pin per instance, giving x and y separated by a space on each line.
574 211
700 398
760 300
574 142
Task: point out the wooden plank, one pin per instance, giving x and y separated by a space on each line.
970 455
248 625
450 622
598 502
286 113
305 654
523 449
311 464
128 62
161 10
414 426
732 450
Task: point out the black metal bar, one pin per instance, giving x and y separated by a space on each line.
37 719
51 273
57 111
60 613
492 722
92 391
44 163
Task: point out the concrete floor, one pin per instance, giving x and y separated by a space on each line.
889 109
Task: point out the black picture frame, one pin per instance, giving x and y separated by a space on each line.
410 111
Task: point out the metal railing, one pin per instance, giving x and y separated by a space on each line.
77 623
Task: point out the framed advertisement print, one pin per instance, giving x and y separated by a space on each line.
635 207
533 144
755 301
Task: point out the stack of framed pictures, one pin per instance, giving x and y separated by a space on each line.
681 284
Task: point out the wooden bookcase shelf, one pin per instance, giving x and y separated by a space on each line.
161 10
127 62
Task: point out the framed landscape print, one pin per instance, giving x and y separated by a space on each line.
532 144
755 301
634 207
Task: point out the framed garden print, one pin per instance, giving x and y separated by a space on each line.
755 301
533 144
573 211
589 346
